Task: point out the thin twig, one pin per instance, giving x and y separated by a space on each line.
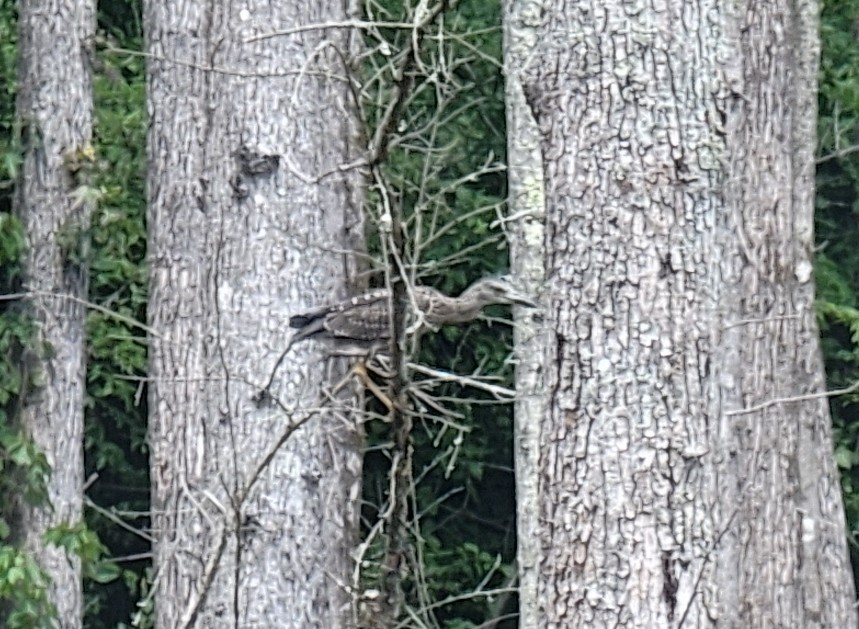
361 24
502 393
113 517
90 305
848 150
110 48
796 398
189 617
464 597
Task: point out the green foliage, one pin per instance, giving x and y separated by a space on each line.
452 570
445 171
110 176
23 590
12 245
115 445
10 150
837 265
446 167
24 469
79 540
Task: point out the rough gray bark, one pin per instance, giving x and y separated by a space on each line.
54 107
526 211
253 217
680 485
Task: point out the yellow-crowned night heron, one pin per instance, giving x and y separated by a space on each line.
362 324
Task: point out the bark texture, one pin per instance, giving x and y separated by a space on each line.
55 111
526 215
678 485
253 217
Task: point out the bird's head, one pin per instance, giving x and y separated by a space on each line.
496 290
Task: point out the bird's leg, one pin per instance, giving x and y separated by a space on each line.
359 370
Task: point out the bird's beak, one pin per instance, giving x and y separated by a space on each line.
520 299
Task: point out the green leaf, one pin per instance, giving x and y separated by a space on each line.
844 457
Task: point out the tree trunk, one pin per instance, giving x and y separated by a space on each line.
526 211
55 112
254 215
686 470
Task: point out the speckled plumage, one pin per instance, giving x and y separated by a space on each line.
364 320
362 323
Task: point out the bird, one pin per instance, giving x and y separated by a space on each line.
364 319
361 324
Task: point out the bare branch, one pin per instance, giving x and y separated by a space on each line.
795 398
90 305
501 393
326 25
848 150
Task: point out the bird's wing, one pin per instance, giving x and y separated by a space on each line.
366 317
304 319
363 318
